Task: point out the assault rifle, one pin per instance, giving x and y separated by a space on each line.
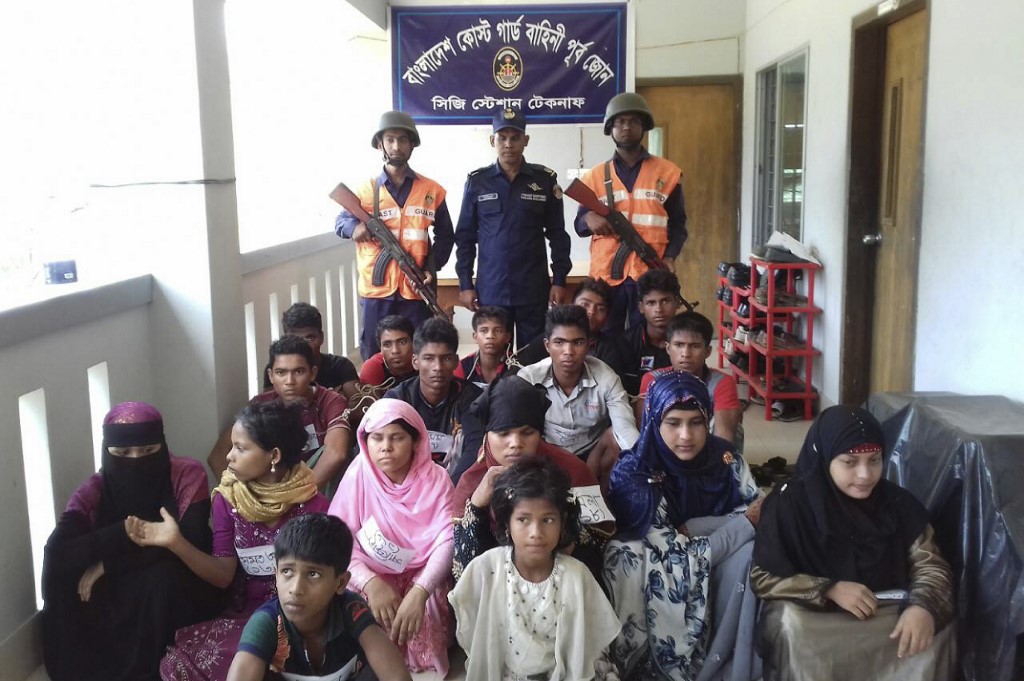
630 240
391 249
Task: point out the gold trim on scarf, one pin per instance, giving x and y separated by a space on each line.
260 502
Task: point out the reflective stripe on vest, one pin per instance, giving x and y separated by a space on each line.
410 225
643 207
650 220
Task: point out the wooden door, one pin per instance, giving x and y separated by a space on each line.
893 317
699 132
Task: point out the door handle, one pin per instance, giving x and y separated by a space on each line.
872 239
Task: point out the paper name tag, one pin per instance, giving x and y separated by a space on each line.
344 674
565 438
312 442
382 550
440 442
257 561
593 509
892 595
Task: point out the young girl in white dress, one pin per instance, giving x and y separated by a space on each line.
527 611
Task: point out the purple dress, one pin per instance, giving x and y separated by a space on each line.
204 652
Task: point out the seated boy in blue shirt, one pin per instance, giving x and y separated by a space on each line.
314 629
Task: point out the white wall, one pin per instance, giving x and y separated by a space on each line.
972 217
972 245
776 28
677 38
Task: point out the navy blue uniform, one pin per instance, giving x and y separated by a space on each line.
509 222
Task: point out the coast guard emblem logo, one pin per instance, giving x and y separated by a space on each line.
508 68
428 199
534 186
661 184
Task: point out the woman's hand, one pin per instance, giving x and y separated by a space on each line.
485 490
383 600
87 581
915 629
409 617
145 533
854 598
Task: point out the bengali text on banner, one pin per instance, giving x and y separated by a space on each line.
458 65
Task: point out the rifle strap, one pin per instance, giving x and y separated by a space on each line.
380 266
608 185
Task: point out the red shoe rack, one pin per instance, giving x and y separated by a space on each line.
761 376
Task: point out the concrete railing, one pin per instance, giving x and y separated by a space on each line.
66 360
319 270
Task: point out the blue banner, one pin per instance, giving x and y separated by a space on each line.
458 65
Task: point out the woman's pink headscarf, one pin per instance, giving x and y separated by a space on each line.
416 514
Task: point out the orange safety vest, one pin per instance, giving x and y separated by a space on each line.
644 207
410 224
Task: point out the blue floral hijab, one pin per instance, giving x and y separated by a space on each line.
649 472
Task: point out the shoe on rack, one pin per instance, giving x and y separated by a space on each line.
740 360
742 334
743 310
739 275
776 254
786 341
790 300
723 267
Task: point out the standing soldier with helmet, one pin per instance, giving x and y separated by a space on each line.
647 190
408 207
508 209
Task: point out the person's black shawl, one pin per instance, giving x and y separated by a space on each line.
145 593
808 526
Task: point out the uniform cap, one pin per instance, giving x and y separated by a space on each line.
509 118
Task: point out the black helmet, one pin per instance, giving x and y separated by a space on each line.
396 119
627 102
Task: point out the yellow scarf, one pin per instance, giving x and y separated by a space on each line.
260 502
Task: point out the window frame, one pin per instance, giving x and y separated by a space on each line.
769 164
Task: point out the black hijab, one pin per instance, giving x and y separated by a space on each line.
510 402
809 526
138 486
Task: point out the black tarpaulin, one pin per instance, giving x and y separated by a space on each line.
963 457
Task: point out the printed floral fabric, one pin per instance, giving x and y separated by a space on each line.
659 588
